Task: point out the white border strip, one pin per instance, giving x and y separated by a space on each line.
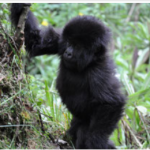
72 1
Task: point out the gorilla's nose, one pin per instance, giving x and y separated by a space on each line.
68 53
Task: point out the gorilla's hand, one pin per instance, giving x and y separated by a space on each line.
16 10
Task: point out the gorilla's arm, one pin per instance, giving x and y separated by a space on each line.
37 41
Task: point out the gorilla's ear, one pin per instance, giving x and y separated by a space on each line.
100 50
106 37
102 43
105 40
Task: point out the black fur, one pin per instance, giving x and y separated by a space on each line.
86 80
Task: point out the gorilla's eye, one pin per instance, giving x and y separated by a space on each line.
97 50
68 44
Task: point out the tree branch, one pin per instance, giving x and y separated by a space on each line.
19 35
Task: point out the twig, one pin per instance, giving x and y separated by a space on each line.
132 134
1 27
130 12
8 36
145 126
43 130
2 78
137 13
47 116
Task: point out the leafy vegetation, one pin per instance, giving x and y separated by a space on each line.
130 48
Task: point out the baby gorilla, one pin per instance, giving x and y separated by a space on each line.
86 80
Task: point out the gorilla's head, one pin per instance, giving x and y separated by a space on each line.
83 41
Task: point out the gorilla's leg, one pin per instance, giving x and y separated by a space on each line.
72 132
111 145
81 136
77 132
103 123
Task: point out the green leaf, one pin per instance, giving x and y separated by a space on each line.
142 56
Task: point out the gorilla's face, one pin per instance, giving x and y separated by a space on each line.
76 56
82 42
